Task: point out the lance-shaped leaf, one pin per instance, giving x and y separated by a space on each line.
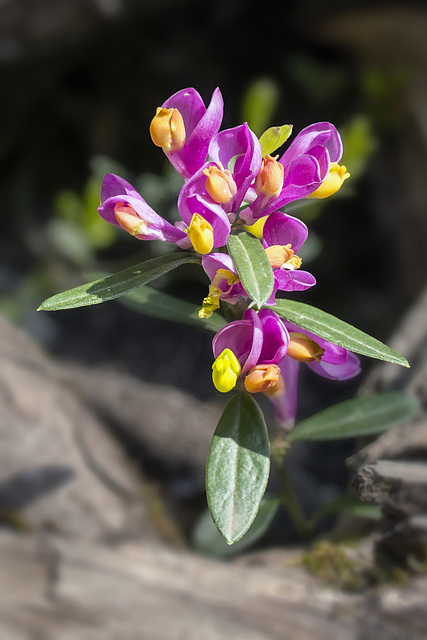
157 304
117 284
357 417
274 137
253 267
238 467
337 331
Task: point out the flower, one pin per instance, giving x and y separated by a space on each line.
122 206
321 356
306 165
184 127
258 339
283 235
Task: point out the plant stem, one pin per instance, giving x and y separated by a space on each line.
288 497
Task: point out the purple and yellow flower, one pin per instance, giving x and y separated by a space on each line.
310 168
184 128
283 236
243 346
321 356
123 206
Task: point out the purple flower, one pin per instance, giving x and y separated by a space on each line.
282 237
306 164
323 357
258 339
240 146
122 206
194 129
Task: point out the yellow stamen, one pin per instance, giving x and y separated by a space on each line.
201 235
332 183
283 256
225 371
129 220
211 302
257 228
167 129
269 181
219 184
303 348
262 377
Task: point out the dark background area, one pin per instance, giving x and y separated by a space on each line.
82 78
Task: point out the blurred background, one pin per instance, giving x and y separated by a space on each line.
81 81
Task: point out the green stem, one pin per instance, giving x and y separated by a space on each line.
288 497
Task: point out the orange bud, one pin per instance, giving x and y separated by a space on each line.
129 220
303 348
269 181
167 129
262 377
219 184
277 389
278 255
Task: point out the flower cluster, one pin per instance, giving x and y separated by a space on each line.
230 187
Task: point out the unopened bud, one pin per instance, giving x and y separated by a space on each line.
219 184
303 348
201 235
262 377
225 371
278 255
269 181
129 220
332 183
167 129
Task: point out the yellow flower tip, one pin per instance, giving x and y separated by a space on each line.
262 377
219 184
257 228
167 129
129 220
269 180
332 183
201 234
225 371
303 348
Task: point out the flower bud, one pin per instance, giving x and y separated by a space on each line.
219 184
167 129
278 255
225 371
201 235
262 377
129 220
332 183
269 181
303 348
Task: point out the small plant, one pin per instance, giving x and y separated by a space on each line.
233 224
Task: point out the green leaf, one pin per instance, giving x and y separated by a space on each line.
337 331
118 284
274 137
349 505
253 267
157 304
238 467
207 539
357 417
